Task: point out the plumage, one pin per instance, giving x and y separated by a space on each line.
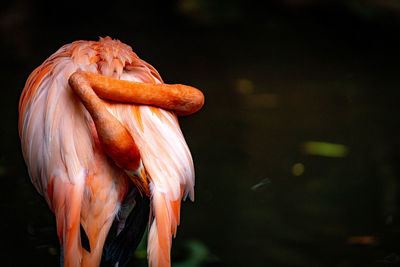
68 163
123 246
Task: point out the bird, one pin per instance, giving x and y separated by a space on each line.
101 140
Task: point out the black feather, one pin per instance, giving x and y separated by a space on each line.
84 239
123 246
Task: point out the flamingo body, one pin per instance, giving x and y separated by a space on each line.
67 162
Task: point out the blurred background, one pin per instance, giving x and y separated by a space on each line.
296 150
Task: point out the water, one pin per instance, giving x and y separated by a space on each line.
296 149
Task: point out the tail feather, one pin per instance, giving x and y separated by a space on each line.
121 249
163 227
67 207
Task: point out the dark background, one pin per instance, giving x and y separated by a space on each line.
278 78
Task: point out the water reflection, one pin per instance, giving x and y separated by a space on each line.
325 149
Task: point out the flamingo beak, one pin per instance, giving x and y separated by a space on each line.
139 178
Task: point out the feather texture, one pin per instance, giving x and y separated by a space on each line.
81 185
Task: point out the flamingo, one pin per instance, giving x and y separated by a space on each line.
99 133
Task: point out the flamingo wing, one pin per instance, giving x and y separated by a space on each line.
68 166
